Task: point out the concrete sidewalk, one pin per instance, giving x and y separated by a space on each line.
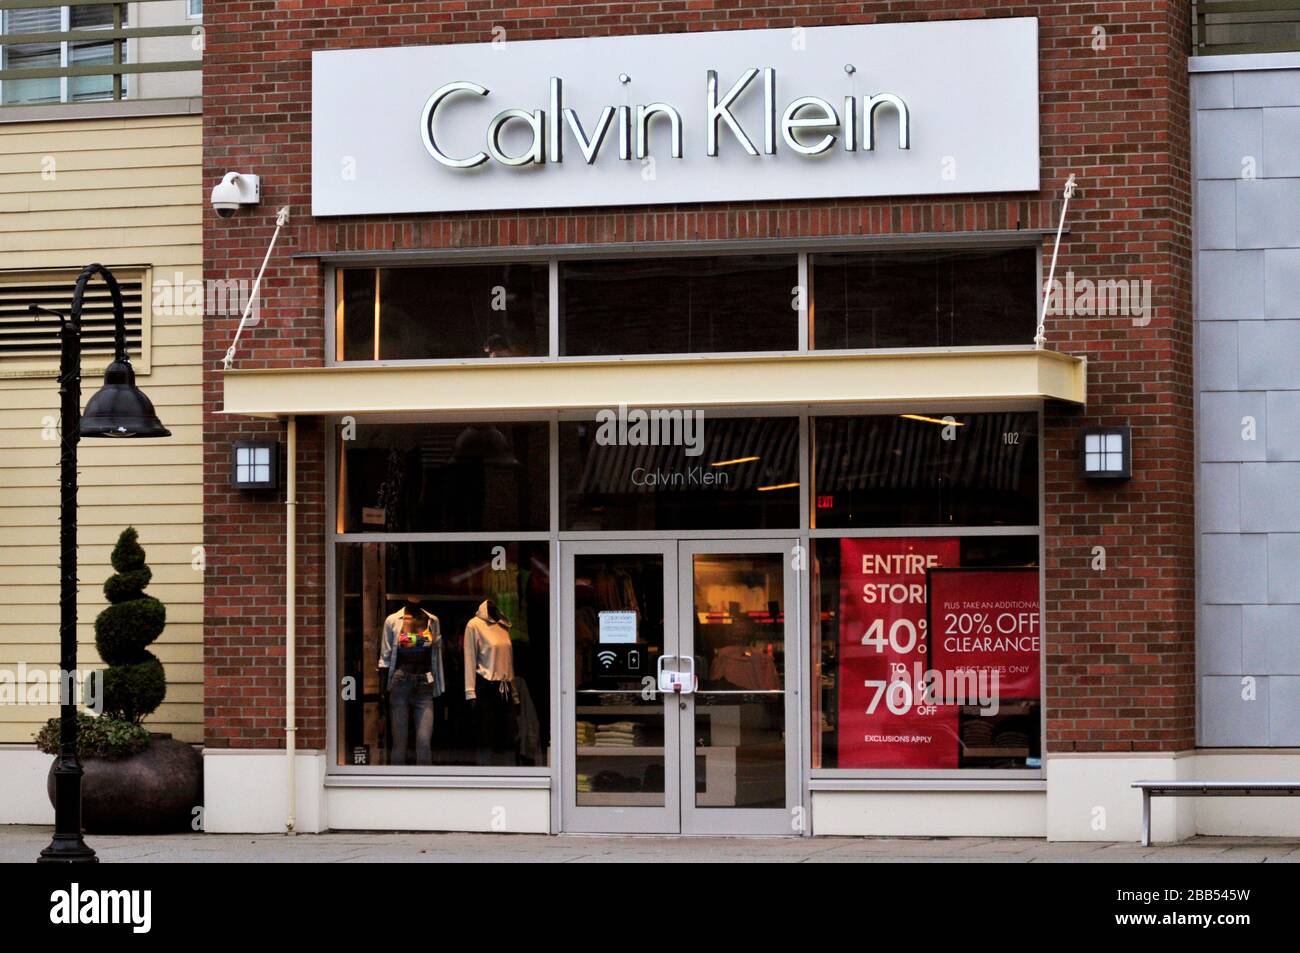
22 844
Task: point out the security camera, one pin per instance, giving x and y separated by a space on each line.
234 190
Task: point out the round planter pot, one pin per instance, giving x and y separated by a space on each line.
153 791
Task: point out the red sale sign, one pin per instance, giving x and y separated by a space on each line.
987 622
884 720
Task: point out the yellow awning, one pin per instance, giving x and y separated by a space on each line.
939 377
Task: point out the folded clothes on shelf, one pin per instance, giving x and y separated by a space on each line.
618 734
977 733
616 781
1011 739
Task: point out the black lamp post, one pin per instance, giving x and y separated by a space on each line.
119 409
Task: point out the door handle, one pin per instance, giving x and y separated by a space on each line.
693 682
676 682
659 667
666 686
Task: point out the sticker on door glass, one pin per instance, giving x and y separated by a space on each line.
617 627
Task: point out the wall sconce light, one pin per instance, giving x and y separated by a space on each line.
1107 453
255 465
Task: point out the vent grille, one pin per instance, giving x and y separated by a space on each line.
34 337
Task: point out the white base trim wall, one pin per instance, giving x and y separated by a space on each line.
930 813
1090 797
498 810
22 794
1254 816
244 791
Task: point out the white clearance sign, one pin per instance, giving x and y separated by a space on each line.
824 112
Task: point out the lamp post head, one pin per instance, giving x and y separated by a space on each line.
120 409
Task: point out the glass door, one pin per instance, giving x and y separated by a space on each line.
620 762
740 727
719 618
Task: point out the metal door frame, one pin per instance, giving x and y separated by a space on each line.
616 820
746 821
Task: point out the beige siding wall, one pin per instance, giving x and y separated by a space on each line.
125 191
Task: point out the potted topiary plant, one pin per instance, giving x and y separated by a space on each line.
135 781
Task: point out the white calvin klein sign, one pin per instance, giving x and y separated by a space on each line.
891 109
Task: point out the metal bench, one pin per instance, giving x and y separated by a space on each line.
1152 789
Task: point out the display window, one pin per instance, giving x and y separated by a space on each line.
687 305
963 469
924 298
679 470
432 478
927 652
443 653
441 312
781 302
922 620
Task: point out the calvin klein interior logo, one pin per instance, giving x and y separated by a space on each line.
652 428
809 125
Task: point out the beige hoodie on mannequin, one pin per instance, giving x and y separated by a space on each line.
488 651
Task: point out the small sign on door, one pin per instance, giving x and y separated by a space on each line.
617 627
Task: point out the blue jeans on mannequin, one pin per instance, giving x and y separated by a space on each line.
411 694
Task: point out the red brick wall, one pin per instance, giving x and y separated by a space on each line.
1120 641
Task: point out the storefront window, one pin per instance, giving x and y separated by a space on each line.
925 648
689 304
927 653
679 305
463 477
924 298
442 312
681 469
462 676
926 470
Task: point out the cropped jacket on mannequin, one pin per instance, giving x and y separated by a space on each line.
388 649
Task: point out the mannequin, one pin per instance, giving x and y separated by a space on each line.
411 651
489 674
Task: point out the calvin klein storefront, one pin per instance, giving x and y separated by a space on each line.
680 529
708 608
